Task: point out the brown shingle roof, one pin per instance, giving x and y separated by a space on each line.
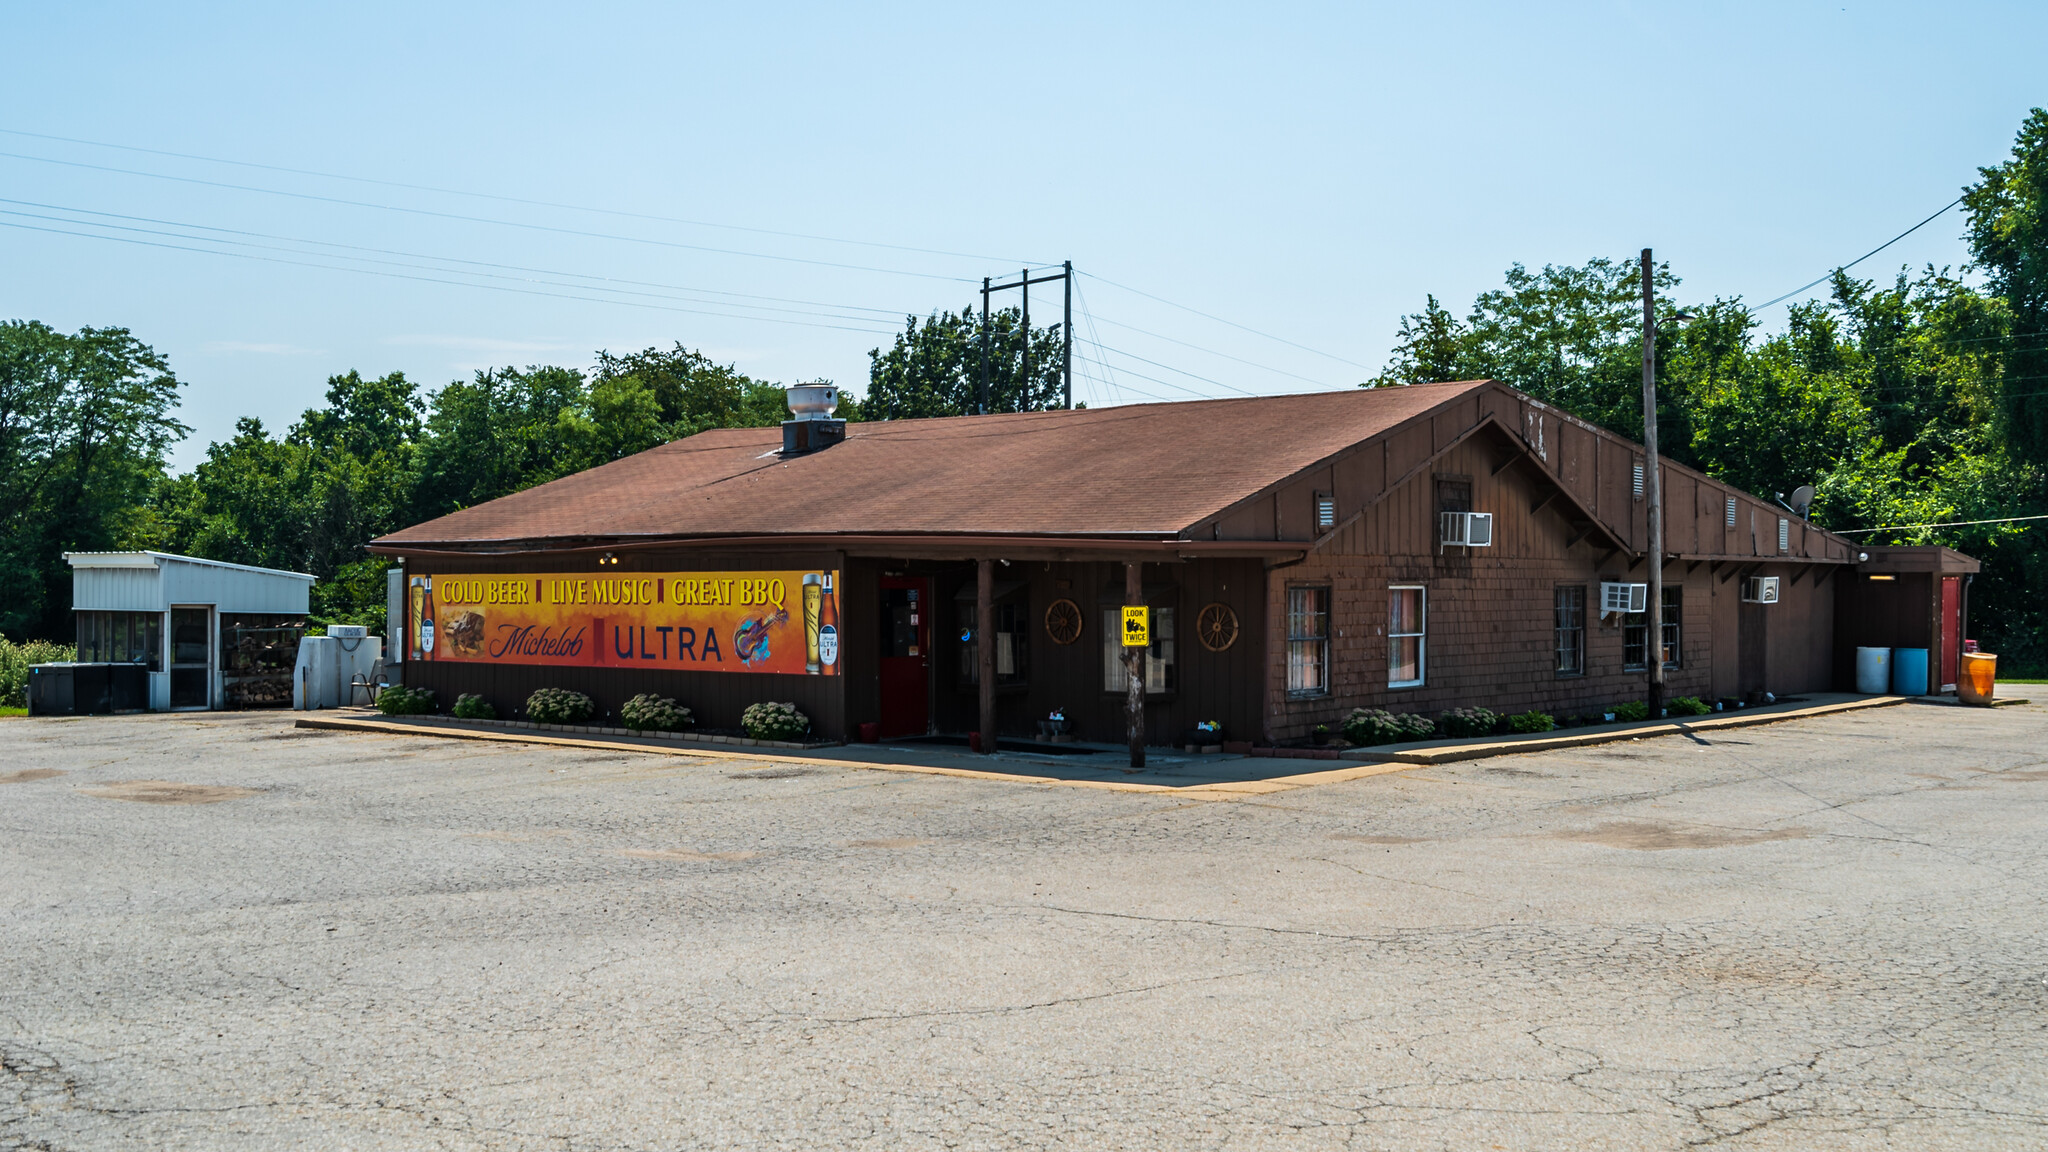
1142 469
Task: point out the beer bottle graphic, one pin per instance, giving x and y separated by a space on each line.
814 594
828 627
418 605
427 617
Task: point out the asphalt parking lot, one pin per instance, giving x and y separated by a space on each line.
220 932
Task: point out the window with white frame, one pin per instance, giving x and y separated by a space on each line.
1407 622
1308 641
1159 657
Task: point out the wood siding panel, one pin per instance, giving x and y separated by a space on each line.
1490 625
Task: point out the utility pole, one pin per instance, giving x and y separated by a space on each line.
1024 282
985 649
983 409
1134 659
1653 492
1067 370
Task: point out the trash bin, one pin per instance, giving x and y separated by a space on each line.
1979 680
1909 671
1873 671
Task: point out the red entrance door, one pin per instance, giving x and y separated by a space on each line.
1951 629
906 656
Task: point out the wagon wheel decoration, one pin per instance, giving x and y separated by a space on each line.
1216 627
1063 621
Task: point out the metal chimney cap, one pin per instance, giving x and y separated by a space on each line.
812 401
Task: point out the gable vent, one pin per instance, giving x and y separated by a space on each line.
1326 511
1731 511
1784 534
1638 485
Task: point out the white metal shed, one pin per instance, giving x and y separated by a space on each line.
210 632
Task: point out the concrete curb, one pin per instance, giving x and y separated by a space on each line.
1440 753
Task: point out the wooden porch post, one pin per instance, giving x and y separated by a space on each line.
985 649
1134 659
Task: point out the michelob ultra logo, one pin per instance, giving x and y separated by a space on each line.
701 621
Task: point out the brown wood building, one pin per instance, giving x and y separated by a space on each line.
1292 548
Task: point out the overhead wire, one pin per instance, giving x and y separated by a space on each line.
1181 371
603 286
1859 259
1213 352
1949 524
437 280
1221 320
429 212
505 199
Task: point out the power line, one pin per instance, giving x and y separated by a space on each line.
436 280
1221 320
1171 368
602 287
508 199
1213 352
1950 524
484 219
1862 258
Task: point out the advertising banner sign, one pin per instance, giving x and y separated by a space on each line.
699 621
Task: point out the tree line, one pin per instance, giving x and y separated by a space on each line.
1918 401
1922 400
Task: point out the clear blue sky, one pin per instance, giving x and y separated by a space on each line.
1310 173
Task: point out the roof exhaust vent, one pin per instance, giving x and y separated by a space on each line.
811 425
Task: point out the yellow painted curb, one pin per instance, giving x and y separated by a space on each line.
1219 788
1506 747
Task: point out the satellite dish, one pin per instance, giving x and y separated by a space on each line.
1802 499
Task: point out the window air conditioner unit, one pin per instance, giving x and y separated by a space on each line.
1471 529
1760 590
1623 597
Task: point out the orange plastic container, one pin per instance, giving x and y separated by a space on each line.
1979 679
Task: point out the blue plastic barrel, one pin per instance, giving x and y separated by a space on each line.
1909 671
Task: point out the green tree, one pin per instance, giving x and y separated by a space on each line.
691 393
85 425
2008 235
495 435
934 367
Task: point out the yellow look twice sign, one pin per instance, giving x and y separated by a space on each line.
1137 626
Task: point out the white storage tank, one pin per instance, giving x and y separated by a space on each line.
331 667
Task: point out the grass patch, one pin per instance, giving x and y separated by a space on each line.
2001 680
6 711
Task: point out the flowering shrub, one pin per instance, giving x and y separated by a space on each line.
1379 726
399 700
559 706
1467 722
1531 722
470 706
771 721
14 662
650 713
